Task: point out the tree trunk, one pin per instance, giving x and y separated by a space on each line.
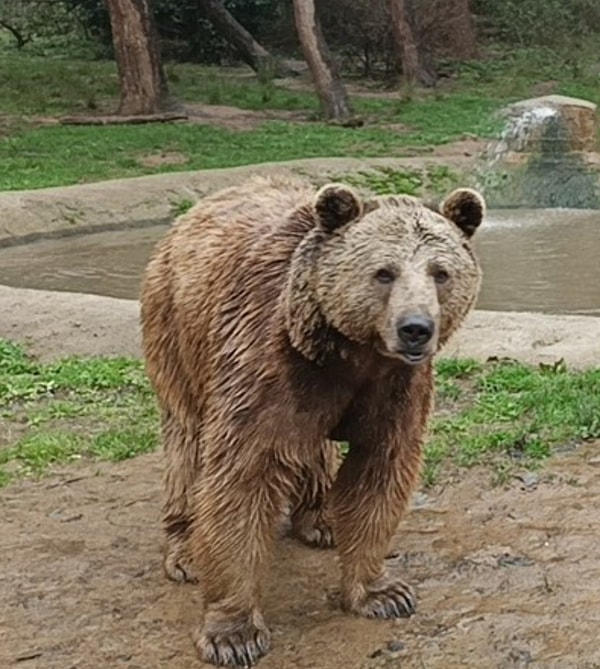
248 49
406 46
135 40
461 31
328 84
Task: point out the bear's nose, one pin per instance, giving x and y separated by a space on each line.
416 330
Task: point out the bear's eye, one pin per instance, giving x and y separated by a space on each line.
384 276
441 276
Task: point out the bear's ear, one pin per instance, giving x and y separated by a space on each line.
336 205
466 208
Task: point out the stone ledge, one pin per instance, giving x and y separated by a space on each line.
25 215
56 325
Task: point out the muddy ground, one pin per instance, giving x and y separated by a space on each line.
507 577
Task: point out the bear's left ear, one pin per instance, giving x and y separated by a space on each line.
466 208
337 205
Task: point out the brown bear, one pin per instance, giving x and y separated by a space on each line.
277 321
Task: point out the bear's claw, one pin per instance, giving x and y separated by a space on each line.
177 568
240 648
394 599
313 530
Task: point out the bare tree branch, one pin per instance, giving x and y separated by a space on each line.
21 38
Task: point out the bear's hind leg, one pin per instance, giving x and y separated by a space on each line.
182 464
309 517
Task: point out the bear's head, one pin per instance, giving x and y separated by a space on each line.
390 272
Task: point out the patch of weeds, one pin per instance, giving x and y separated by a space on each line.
387 181
96 374
76 408
13 359
508 413
440 180
448 390
121 444
5 478
433 460
56 411
436 180
182 206
457 368
38 451
502 472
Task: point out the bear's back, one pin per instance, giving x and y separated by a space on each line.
236 232
213 282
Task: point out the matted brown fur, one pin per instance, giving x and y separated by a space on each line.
275 323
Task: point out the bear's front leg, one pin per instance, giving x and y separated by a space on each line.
368 501
237 510
385 429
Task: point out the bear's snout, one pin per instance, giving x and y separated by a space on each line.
415 331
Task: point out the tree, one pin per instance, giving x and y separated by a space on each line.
413 67
446 28
461 32
142 80
248 49
328 84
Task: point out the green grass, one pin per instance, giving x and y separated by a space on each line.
51 85
431 180
506 412
34 87
59 412
59 155
503 413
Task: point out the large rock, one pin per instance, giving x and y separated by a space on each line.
551 124
545 157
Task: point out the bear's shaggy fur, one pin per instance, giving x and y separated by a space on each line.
278 321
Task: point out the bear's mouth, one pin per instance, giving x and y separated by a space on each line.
409 356
413 357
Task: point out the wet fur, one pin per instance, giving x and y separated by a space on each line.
255 386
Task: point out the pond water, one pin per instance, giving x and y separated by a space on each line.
545 260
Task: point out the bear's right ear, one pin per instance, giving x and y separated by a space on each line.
337 205
466 208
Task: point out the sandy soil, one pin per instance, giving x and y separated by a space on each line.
58 324
507 577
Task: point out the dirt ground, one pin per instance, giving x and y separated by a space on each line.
507 577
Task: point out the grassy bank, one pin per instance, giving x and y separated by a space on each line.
35 153
501 413
56 156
